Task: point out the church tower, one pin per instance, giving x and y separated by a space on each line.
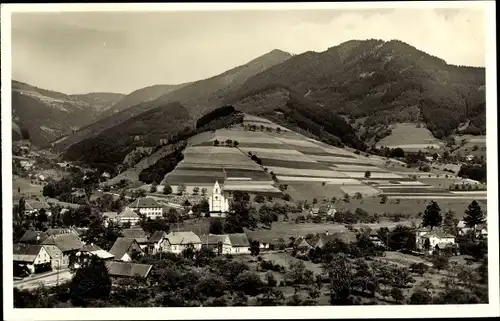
218 204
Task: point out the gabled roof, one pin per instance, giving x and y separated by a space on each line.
96 250
239 239
157 236
57 231
183 238
128 213
110 215
121 246
438 234
136 233
127 269
30 236
26 252
301 243
36 205
65 242
145 202
213 239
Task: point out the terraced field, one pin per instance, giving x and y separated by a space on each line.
310 169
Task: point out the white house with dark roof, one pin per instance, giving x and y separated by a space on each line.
61 246
239 243
138 234
220 244
436 239
178 241
34 206
124 248
30 255
118 270
128 215
158 242
147 206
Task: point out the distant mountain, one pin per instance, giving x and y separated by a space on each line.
47 114
139 96
101 101
198 97
384 81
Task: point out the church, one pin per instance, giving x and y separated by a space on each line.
218 204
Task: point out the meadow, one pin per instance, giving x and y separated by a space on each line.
409 137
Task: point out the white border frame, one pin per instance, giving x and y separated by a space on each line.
491 309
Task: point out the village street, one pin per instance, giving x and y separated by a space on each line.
48 279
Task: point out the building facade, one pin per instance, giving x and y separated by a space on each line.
218 204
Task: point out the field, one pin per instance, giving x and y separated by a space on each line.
310 168
22 187
409 137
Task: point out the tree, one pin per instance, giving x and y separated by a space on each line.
383 199
181 189
248 282
240 299
203 191
235 143
196 190
216 227
254 248
286 197
474 216
172 215
167 189
450 223
420 296
271 280
259 198
153 188
368 174
90 283
440 262
216 142
432 216
397 295
339 270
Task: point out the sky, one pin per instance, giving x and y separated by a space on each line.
82 52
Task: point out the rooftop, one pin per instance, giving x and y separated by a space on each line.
145 202
239 239
126 269
121 246
25 252
65 242
183 238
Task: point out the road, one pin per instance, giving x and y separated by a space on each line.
49 280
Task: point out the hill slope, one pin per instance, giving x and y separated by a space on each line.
386 81
111 145
198 97
101 101
139 96
48 114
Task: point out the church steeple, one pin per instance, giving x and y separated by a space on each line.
216 189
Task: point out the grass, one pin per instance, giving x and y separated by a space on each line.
192 179
408 136
305 172
413 190
301 191
26 188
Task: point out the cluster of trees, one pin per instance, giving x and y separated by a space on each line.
475 172
63 189
216 114
228 143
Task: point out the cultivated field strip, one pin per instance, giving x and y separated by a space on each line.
211 150
293 164
340 160
305 172
363 189
337 181
354 167
386 175
266 153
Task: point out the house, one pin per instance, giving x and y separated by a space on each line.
97 251
321 239
33 237
158 242
220 244
469 157
109 217
239 243
124 248
481 229
302 245
434 239
61 246
105 175
323 210
91 250
178 241
128 215
138 234
147 206
218 204
34 206
375 238
30 256
118 270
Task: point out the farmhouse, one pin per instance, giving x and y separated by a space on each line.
91 250
30 257
33 237
33 207
124 248
220 244
302 245
323 210
147 206
239 243
375 238
128 215
138 234
157 242
434 239
217 203
119 270
481 229
109 217
178 241
61 246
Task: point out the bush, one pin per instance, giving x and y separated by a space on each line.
419 268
